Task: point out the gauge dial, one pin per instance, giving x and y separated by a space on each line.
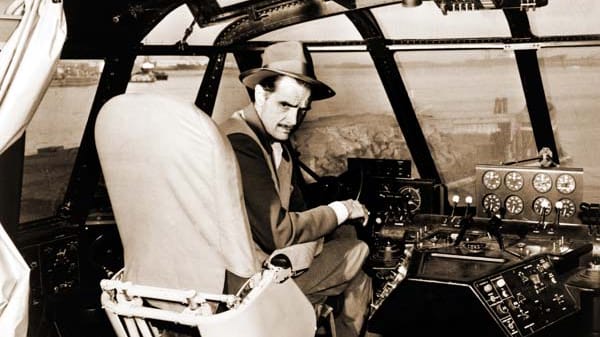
565 183
514 181
491 180
568 208
514 204
542 203
542 182
492 203
413 197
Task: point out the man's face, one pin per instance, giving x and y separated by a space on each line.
283 108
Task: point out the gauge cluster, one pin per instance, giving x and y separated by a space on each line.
528 192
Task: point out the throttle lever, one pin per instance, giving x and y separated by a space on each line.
465 223
495 226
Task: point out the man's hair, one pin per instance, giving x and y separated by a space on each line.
268 83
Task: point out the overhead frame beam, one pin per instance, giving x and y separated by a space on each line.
213 13
503 43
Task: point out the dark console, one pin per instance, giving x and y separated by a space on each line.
66 264
493 267
489 298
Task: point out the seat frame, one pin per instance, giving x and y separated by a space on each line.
127 308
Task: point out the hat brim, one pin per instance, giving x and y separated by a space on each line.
319 90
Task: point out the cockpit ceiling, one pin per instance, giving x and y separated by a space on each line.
102 28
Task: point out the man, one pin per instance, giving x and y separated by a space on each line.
284 87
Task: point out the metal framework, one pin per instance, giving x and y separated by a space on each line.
255 18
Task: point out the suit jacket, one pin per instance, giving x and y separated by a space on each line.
270 198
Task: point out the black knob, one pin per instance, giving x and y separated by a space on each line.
281 261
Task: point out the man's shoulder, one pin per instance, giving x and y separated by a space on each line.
240 135
235 121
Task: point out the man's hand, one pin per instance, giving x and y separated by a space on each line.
356 210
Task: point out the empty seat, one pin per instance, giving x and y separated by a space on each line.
175 189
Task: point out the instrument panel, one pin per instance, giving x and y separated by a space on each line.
394 201
526 298
529 193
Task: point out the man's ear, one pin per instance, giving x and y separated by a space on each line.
259 95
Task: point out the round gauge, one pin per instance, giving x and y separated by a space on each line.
542 182
514 181
412 196
565 183
491 180
491 202
514 204
568 208
542 203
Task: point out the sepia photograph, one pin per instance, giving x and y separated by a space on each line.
299 168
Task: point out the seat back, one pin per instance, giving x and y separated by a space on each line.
175 190
176 194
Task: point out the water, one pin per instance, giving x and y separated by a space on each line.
359 121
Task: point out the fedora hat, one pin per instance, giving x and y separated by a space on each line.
292 59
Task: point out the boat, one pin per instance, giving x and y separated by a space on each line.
148 73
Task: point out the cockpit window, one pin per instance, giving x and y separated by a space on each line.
357 122
8 24
472 110
232 94
427 22
571 80
8 20
54 135
178 76
566 18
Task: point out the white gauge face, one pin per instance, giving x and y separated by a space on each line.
491 202
514 181
542 182
565 183
415 198
491 180
514 204
568 208
542 203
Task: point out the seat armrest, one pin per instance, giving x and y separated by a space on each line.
300 255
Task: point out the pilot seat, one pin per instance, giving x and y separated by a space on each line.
189 259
